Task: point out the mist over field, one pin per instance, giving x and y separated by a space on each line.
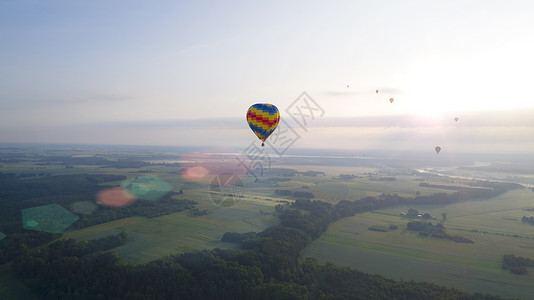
483 132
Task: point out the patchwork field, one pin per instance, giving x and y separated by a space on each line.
402 254
156 237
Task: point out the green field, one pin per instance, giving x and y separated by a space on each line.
154 238
401 254
330 189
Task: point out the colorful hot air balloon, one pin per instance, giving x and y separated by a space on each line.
377 91
263 119
456 119
438 148
391 100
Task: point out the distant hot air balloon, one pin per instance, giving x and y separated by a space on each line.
377 91
456 119
391 100
347 85
438 148
263 119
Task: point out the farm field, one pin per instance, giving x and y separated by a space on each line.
330 188
402 254
153 238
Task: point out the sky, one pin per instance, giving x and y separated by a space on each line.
185 73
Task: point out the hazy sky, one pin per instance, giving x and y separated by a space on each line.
175 73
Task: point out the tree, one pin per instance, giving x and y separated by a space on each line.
444 216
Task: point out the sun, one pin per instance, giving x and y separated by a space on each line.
433 90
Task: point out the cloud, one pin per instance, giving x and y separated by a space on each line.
389 90
510 118
44 101
92 98
475 132
504 118
98 97
340 93
359 92
212 123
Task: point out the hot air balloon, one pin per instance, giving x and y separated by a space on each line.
263 119
438 148
456 119
377 91
391 100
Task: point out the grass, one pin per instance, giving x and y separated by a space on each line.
473 275
334 190
401 254
156 237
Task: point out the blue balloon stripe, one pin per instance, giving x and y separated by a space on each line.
270 109
257 129
260 129
264 133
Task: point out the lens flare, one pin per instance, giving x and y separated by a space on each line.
48 218
195 174
150 188
115 197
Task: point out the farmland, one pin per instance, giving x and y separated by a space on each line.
494 225
153 238
401 254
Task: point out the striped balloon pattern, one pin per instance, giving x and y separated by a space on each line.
263 119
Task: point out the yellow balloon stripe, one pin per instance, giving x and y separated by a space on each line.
264 116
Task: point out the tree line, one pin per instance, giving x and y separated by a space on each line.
516 264
296 194
529 220
435 231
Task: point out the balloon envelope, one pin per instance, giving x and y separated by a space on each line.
456 119
391 100
263 119
438 148
377 91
